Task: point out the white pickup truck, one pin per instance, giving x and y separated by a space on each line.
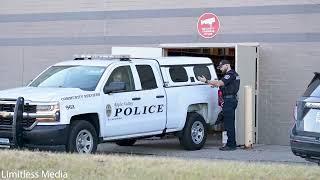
102 98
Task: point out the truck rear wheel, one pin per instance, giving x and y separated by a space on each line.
126 142
194 133
82 138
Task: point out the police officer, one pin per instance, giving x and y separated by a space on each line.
229 85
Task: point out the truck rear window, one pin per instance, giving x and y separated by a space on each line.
314 87
202 70
178 74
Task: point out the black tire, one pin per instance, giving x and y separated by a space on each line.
197 141
77 129
126 142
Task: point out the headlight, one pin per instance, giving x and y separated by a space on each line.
48 112
41 108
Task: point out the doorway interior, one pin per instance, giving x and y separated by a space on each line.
215 54
244 59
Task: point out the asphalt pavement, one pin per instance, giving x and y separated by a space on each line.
169 147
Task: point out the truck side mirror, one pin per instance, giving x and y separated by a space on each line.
114 87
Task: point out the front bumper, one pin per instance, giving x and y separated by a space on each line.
47 135
14 133
41 135
305 147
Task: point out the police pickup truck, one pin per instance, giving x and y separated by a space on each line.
103 98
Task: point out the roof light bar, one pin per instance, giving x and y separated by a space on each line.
100 57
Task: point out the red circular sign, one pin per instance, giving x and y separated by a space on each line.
208 25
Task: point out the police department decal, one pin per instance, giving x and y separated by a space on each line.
128 109
227 76
108 110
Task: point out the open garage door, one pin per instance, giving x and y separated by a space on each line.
244 59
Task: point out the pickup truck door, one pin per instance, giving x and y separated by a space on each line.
150 89
117 109
134 111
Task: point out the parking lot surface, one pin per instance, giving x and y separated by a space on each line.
169 147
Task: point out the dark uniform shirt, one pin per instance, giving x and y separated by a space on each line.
231 82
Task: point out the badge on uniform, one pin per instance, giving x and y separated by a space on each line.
227 76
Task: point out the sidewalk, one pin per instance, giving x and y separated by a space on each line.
259 153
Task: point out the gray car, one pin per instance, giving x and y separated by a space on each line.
305 134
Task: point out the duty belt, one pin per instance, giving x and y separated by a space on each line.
230 96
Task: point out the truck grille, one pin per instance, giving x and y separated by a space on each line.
10 108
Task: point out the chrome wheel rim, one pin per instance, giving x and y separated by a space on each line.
84 141
197 132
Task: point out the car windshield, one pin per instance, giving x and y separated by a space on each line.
83 77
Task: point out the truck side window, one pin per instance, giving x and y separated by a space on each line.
146 75
122 74
200 70
178 74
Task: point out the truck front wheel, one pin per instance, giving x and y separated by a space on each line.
194 133
82 138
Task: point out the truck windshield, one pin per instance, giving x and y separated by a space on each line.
83 77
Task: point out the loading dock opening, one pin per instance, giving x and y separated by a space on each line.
215 54
243 56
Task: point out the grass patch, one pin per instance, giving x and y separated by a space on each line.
114 167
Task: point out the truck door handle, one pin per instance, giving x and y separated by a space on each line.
160 96
136 99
